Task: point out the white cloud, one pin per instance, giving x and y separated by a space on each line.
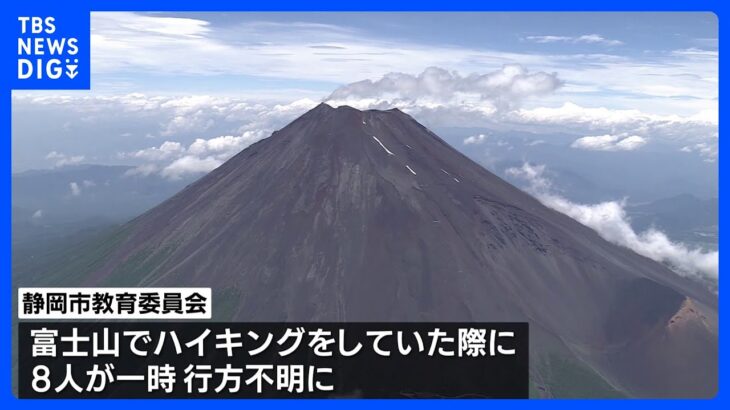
143 170
586 38
75 189
609 143
609 219
708 150
696 52
60 159
437 86
236 124
201 156
38 214
446 98
548 39
166 150
173 27
570 113
532 174
475 139
596 38
224 146
188 165
608 128
176 115
439 107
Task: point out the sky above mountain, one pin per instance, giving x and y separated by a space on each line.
312 54
179 93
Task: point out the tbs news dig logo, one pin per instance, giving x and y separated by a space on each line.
43 54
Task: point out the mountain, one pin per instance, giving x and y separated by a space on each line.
348 215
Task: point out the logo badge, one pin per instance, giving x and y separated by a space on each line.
52 52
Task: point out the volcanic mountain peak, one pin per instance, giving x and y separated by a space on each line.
345 110
369 216
326 107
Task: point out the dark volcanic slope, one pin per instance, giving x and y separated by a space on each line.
368 216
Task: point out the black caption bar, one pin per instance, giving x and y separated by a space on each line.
273 360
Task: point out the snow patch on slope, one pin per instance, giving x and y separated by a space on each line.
381 144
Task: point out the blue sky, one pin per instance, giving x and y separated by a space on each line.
613 81
507 31
668 55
